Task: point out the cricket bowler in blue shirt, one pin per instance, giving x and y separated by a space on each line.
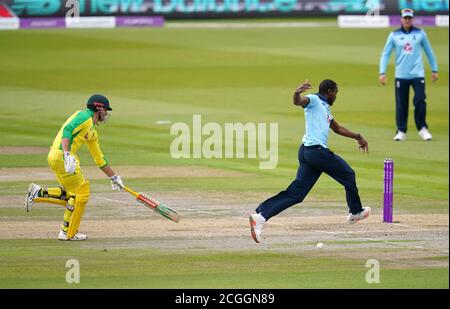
314 158
408 42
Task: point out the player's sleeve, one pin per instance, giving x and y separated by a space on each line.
96 152
312 100
74 127
429 52
388 47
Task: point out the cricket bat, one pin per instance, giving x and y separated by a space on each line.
154 204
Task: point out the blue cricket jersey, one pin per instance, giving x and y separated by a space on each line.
408 53
317 121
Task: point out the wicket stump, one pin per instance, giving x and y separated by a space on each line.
388 199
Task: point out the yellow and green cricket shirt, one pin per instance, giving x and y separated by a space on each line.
80 129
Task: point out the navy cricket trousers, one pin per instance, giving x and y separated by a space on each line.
402 87
313 161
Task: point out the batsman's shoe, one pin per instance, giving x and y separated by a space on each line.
400 136
78 236
33 191
425 134
364 214
256 225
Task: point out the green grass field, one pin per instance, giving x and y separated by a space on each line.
226 75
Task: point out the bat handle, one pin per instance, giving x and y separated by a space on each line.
130 191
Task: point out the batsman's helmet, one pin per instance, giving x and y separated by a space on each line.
98 100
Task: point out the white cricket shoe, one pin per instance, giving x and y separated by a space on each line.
425 134
364 214
400 136
256 225
33 190
78 236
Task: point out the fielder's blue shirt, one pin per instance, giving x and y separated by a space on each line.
317 121
408 53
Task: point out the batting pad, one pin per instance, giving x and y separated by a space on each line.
81 199
50 200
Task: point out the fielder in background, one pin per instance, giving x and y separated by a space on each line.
73 193
314 158
408 42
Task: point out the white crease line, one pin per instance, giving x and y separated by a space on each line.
385 241
413 227
393 243
407 246
200 211
405 225
197 209
269 223
111 200
204 212
276 224
242 218
376 231
358 232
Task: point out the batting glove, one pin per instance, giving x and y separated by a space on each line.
70 163
116 182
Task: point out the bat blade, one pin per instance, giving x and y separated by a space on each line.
159 207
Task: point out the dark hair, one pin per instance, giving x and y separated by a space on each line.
325 85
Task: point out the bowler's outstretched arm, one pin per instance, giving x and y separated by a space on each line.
338 129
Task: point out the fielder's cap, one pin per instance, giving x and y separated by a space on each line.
98 100
408 13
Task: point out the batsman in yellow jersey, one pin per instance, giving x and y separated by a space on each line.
73 192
